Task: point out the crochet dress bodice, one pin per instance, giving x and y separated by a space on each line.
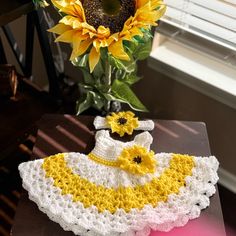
109 149
120 188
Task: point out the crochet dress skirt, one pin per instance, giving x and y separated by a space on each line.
120 188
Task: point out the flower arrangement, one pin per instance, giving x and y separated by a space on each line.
108 37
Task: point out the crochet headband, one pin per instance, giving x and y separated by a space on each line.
122 122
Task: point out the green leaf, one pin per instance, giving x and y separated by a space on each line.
127 66
85 87
147 33
88 78
130 46
91 99
140 46
110 97
98 70
103 88
98 100
123 92
131 79
84 103
120 74
143 51
115 62
81 61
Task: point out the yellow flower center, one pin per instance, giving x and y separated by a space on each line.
108 13
137 159
122 121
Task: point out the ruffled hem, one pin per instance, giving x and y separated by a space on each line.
73 216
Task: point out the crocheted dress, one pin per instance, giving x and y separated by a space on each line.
103 194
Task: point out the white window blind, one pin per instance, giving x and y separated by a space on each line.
195 44
213 20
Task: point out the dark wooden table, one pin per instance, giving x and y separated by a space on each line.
63 133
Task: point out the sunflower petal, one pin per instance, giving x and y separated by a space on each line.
75 50
96 44
70 7
80 48
68 20
60 29
77 38
69 10
94 57
140 3
128 24
148 12
136 31
157 3
161 11
57 4
66 37
84 46
153 3
80 10
117 50
103 31
74 10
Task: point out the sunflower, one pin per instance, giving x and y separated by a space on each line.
92 25
137 160
122 122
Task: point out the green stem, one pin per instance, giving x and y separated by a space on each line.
108 82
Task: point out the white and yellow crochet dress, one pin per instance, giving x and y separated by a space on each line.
120 188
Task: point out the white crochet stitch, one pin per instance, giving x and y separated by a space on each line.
101 123
88 221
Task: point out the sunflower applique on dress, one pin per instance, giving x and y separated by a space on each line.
120 188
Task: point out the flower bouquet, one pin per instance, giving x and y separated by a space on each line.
108 37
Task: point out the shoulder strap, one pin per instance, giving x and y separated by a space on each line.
144 139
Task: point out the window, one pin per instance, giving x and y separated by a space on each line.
214 20
197 39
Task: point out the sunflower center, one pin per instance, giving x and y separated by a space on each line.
122 121
108 13
111 7
137 159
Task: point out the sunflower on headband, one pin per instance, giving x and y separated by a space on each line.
104 23
122 122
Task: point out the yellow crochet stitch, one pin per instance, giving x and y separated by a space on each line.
102 160
126 198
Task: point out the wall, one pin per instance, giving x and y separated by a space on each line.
18 29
